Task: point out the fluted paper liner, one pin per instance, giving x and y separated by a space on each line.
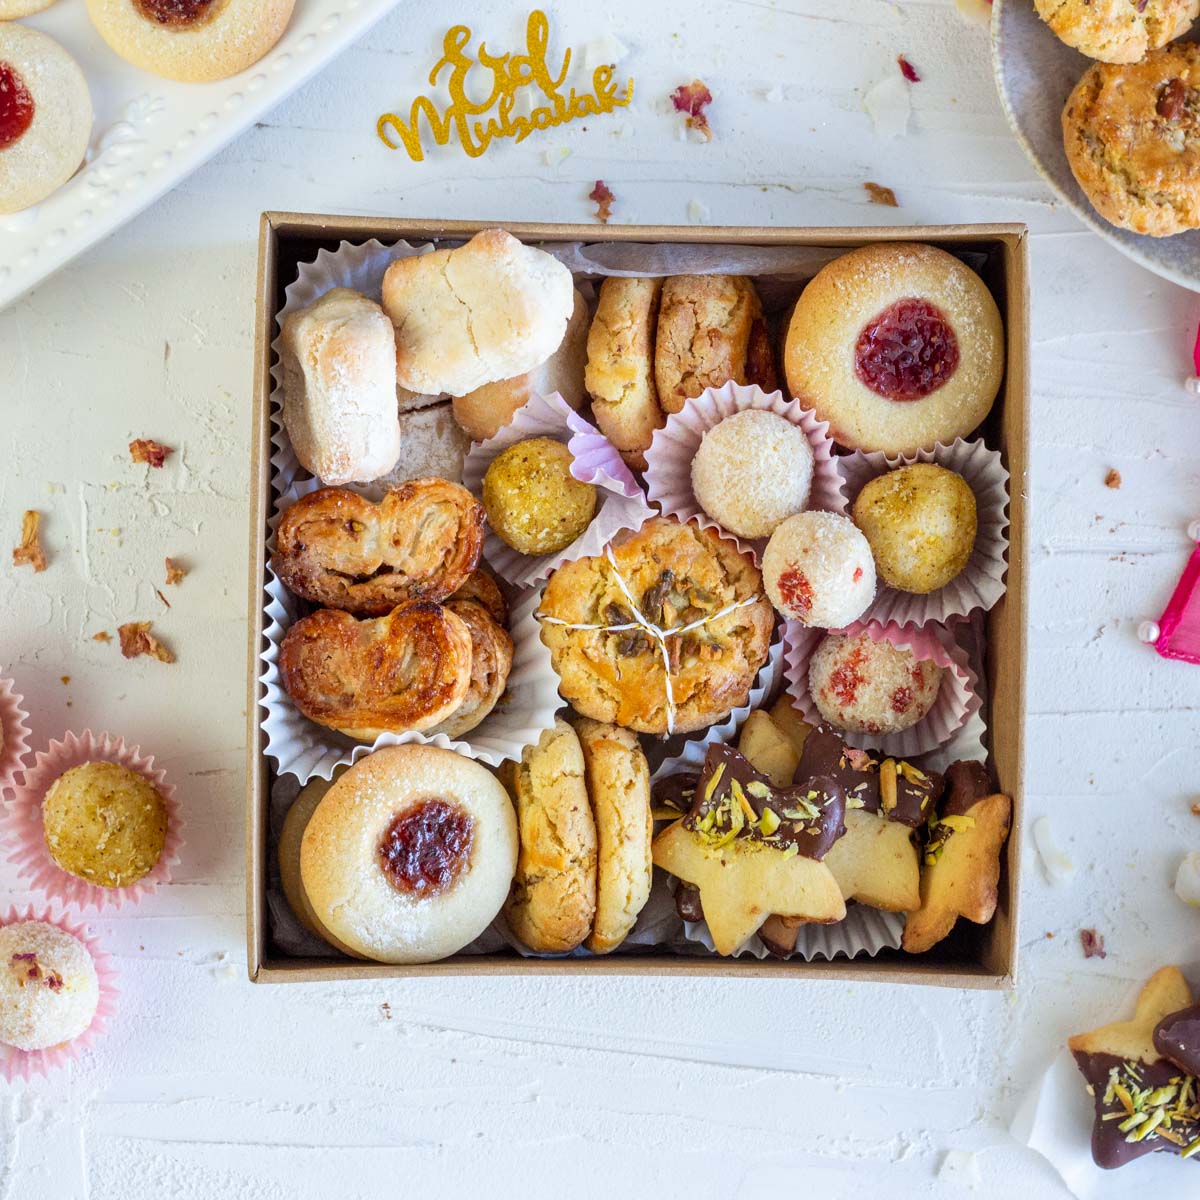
25 1064
669 459
14 735
957 700
620 503
981 582
25 840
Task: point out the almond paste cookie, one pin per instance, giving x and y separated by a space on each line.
193 41
618 783
620 365
45 117
1133 142
897 346
1118 31
553 897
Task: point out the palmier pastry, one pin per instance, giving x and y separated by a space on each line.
612 670
491 661
897 346
45 117
420 542
481 586
407 671
194 41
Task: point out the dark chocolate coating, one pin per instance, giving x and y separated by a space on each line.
1177 1037
812 838
967 782
675 791
687 902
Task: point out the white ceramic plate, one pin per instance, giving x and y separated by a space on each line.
150 132
1035 73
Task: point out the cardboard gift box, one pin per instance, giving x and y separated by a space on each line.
975 956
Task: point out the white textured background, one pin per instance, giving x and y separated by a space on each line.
209 1087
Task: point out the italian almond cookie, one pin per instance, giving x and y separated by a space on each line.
618 783
553 899
1118 31
193 41
620 365
45 117
489 310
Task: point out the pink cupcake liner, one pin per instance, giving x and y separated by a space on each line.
621 504
26 841
957 703
25 1064
669 459
981 582
14 735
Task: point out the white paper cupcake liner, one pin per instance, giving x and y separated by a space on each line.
957 701
305 749
620 501
669 459
981 582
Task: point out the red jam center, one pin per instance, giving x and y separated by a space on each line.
176 12
907 351
16 106
425 849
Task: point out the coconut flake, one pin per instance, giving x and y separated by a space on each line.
888 104
698 213
960 1167
1187 880
1057 866
605 51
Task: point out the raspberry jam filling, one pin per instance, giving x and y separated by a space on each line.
179 13
906 352
425 849
16 106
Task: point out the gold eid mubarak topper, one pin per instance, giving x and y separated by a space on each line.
478 125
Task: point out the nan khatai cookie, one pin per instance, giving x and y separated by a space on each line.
897 346
681 577
618 783
408 857
1118 31
710 331
620 365
1133 141
45 117
193 41
553 898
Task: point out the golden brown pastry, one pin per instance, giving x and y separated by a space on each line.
491 662
481 586
407 671
1118 31
420 542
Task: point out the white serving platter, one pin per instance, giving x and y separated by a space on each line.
150 133
1035 73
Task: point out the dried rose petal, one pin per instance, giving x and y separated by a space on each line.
29 552
146 450
1196 810
907 69
176 571
162 598
881 195
691 98
136 639
1113 478
1093 944
601 195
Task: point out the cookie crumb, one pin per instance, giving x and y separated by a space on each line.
29 552
1113 478
881 195
102 636
176 571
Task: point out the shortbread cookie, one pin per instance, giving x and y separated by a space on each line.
960 876
45 117
1132 136
553 898
897 346
706 326
620 365
1144 1102
768 749
486 311
193 41
1118 31
491 662
11 9
485 411
618 783
409 855
338 357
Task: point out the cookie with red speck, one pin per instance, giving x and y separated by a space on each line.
818 570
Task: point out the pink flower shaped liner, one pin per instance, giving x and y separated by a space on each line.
14 735
25 1064
957 701
25 836
669 459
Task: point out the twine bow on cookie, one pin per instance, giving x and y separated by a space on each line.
655 633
